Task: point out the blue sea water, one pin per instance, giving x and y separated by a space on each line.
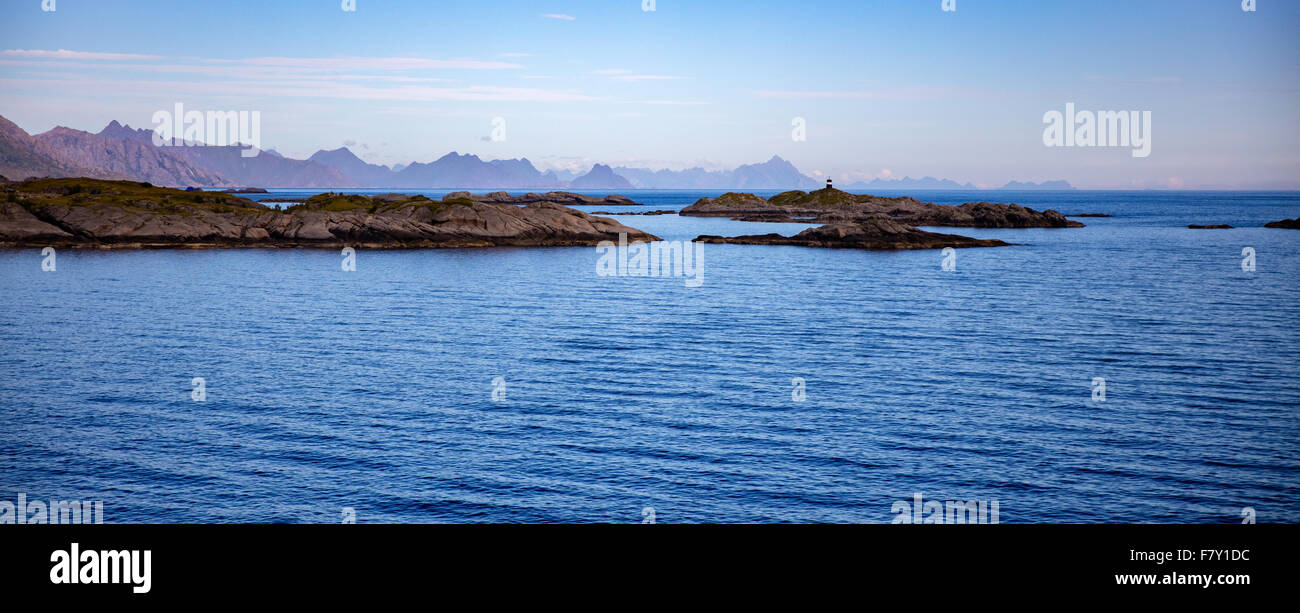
373 389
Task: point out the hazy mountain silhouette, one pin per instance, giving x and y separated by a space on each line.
600 177
354 168
1058 184
909 183
468 171
775 173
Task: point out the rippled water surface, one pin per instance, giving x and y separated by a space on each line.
373 389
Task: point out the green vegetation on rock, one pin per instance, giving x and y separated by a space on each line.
131 195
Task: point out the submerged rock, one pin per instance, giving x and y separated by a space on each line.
659 212
765 218
875 233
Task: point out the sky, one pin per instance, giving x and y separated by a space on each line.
884 88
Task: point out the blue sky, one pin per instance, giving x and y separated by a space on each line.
887 87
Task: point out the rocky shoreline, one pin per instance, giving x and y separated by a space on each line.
92 213
657 212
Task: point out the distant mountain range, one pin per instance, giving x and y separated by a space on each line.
1043 185
910 183
120 152
22 155
775 173
933 183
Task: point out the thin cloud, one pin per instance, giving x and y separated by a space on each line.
560 16
372 63
669 102
1137 81
623 74
64 54
644 77
313 64
314 89
224 71
852 95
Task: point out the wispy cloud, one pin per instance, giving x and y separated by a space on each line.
911 94
314 64
222 71
1136 81
371 63
644 77
309 88
623 74
516 55
64 54
669 102
560 16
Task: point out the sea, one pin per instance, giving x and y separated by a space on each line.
1131 371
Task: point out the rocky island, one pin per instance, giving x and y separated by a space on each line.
869 222
1289 224
830 205
127 214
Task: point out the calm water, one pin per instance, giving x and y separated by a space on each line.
372 389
